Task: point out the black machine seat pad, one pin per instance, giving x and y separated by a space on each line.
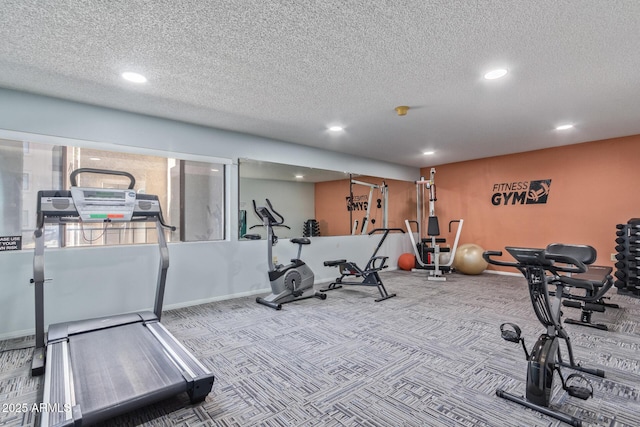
301 241
334 263
438 240
584 253
596 274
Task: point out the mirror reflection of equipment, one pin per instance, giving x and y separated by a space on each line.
382 203
430 243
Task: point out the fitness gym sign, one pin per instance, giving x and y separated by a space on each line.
521 192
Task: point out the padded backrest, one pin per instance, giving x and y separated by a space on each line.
585 253
433 229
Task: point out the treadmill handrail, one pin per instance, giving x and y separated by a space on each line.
75 173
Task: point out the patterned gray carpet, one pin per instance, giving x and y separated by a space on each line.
432 356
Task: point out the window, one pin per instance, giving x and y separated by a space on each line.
191 193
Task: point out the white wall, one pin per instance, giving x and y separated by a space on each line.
89 282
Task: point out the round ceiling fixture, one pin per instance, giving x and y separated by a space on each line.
134 77
564 127
336 128
496 74
402 110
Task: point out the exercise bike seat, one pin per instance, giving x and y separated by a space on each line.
301 241
595 278
334 263
599 275
573 282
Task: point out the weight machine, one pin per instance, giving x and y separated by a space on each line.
429 245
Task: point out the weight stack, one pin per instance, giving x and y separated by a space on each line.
311 228
628 257
622 257
633 264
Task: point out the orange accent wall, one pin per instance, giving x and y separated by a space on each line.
331 204
594 186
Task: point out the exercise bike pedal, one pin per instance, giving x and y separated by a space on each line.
578 391
572 304
511 335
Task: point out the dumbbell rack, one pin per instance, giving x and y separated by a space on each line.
311 228
628 257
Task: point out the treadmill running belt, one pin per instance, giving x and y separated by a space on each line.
118 369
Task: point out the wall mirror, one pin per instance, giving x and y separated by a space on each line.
319 202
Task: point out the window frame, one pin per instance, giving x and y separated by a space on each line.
28 138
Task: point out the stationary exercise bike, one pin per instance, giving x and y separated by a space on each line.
290 282
541 269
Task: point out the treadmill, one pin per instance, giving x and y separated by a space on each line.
99 368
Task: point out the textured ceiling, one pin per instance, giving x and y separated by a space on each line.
288 69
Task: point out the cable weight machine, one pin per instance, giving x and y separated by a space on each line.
428 250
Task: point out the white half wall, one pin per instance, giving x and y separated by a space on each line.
101 281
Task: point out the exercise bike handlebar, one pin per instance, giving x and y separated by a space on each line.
487 257
537 257
386 230
572 265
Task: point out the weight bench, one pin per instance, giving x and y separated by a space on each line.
593 299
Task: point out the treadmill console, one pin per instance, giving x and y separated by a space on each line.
103 204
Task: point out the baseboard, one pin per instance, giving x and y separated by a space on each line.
502 273
214 299
27 332
17 334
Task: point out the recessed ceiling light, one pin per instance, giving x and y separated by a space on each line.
134 77
94 158
564 127
299 176
428 153
495 74
214 170
336 128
